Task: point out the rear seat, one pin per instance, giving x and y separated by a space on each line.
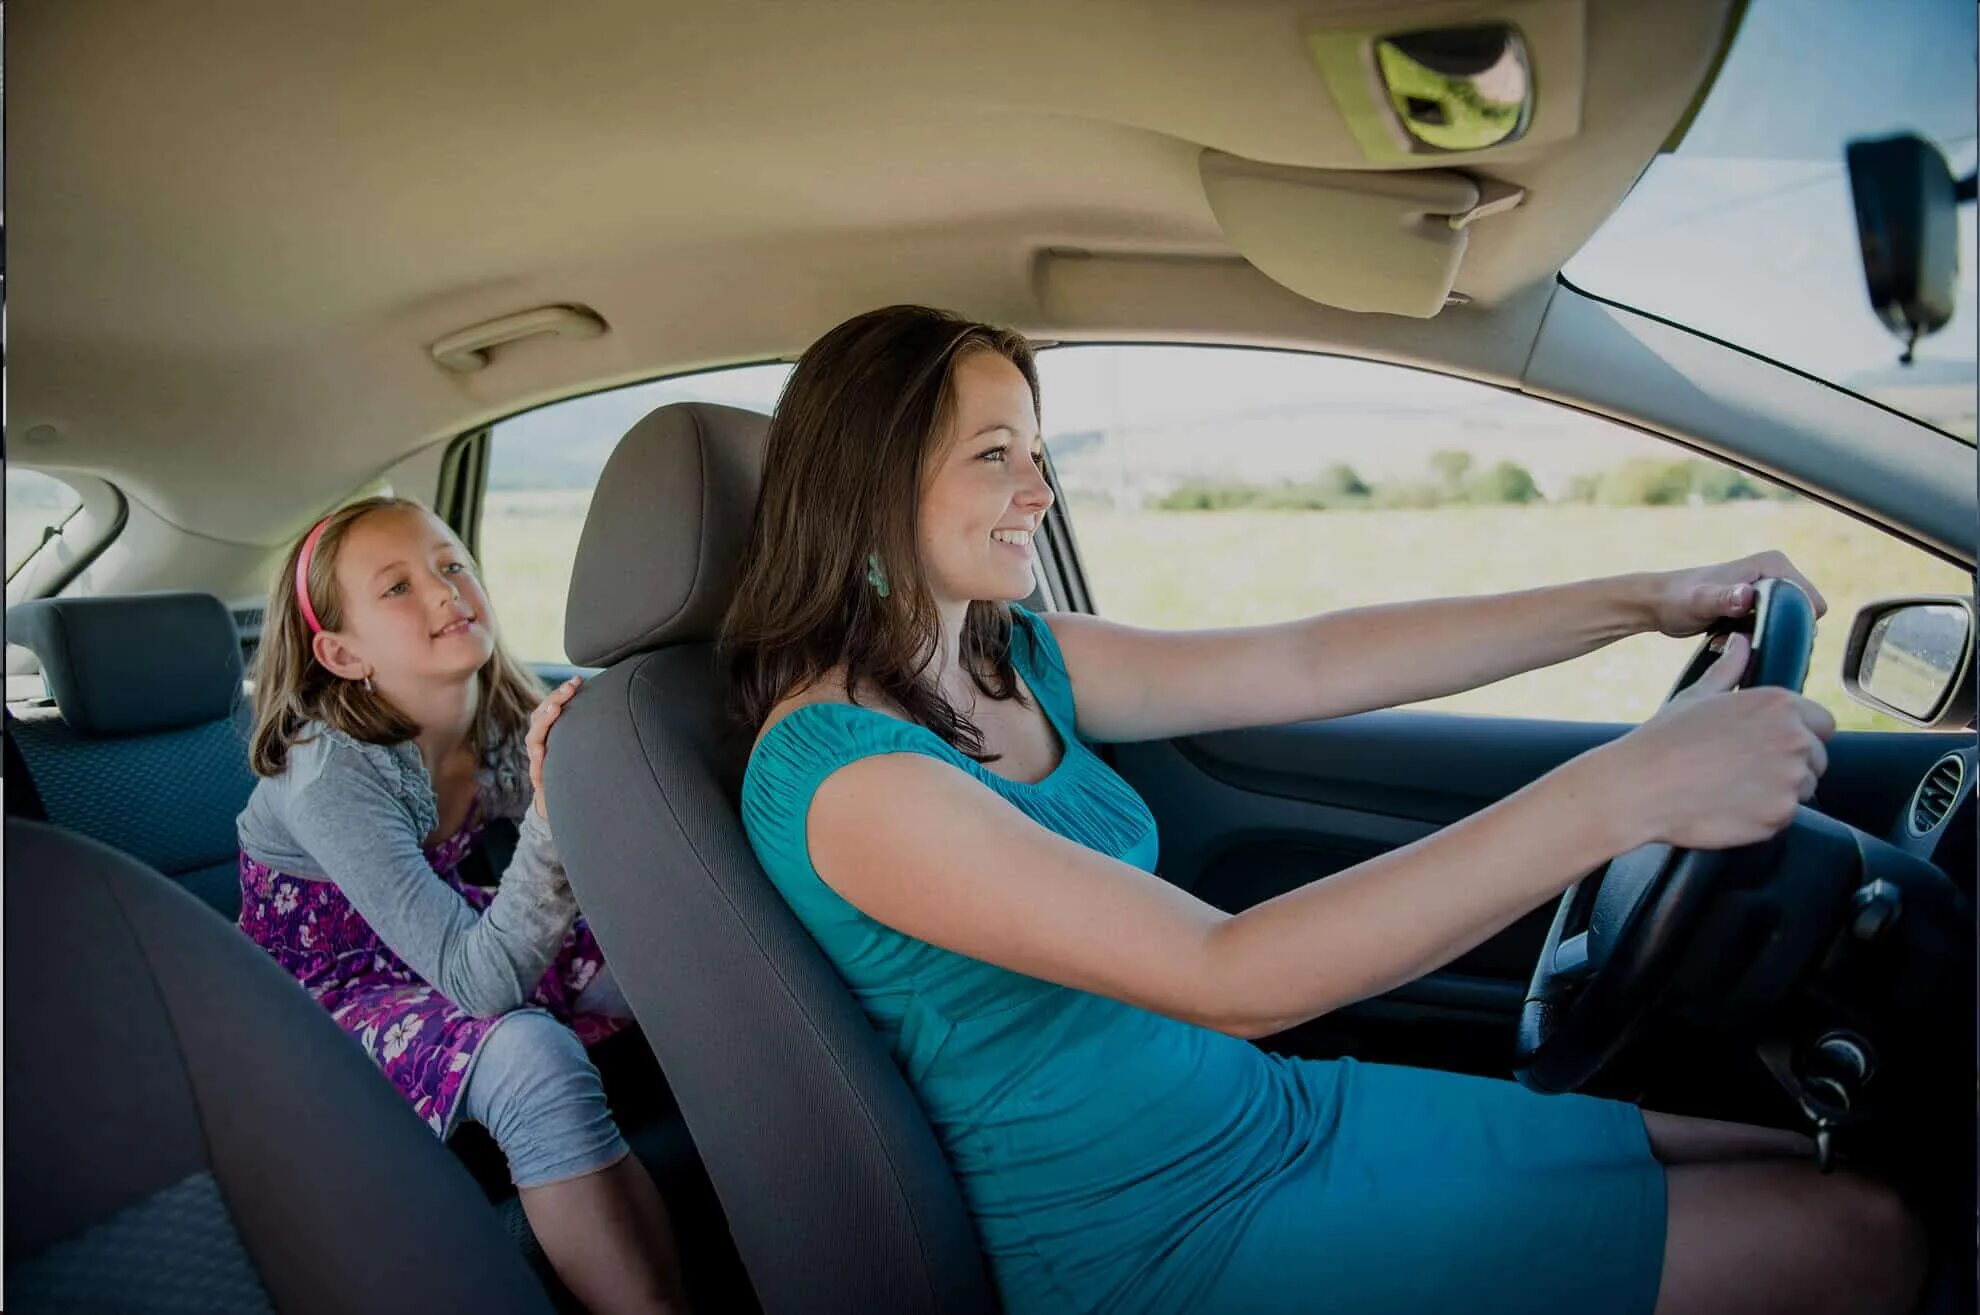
146 751
146 746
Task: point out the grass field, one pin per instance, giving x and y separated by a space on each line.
1200 569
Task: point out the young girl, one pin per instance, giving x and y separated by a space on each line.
389 725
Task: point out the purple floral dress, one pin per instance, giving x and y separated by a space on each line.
423 1041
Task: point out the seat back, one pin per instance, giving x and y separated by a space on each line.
187 1131
22 797
835 1188
146 747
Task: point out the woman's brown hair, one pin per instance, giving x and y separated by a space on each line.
292 689
848 451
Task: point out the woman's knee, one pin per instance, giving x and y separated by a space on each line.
1778 1234
1874 1218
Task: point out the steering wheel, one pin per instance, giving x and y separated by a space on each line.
1619 934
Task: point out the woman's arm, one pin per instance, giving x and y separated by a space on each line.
1135 684
922 847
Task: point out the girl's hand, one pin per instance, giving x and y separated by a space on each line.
538 739
1688 602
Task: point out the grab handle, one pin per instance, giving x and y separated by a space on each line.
468 350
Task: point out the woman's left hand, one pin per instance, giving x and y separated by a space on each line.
538 739
1688 602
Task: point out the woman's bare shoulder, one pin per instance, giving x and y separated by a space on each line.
828 688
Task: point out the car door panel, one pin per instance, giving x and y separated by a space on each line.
1248 815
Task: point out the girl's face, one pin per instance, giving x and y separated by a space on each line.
412 607
985 493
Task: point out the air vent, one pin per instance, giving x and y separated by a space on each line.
1937 794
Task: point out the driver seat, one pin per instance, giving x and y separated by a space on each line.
836 1191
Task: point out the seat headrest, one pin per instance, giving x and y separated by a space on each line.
656 563
136 663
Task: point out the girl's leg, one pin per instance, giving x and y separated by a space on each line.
1777 1235
591 1203
609 1238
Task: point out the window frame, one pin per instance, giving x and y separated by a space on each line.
105 512
1727 344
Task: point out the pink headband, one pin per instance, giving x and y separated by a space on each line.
302 576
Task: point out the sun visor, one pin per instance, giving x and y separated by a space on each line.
1386 241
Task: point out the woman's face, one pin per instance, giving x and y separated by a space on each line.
411 605
985 493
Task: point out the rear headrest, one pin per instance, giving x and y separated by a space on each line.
136 663
657 561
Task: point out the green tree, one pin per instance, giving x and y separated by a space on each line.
1339 481
1203 495
1506 482
1409 495
1644 482
1649 482
1715 483
1452 466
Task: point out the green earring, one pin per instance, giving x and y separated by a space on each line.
874 575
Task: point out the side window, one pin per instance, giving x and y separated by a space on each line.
37 505
542 468
1227 486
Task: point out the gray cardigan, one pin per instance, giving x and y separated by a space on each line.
354 814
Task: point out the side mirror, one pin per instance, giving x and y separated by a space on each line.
1913 659
1907 222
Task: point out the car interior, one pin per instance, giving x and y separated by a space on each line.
266 261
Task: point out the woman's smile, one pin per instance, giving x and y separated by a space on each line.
1015 541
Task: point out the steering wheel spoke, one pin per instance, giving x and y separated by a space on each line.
1571 959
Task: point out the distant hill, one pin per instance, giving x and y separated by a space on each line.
569 461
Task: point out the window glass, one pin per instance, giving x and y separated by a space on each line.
36 504
1221 486
542 468
1747 231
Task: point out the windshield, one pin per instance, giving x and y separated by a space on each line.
1746 232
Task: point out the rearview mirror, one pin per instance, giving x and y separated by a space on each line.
1913 658
1907 223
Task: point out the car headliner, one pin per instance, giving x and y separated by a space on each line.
236 227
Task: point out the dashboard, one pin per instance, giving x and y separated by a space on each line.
1936 820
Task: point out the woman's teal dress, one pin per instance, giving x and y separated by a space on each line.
1118 1160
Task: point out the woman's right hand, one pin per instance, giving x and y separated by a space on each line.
1718 768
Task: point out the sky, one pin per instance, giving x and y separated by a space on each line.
1747 231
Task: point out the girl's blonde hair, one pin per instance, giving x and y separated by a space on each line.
292 689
